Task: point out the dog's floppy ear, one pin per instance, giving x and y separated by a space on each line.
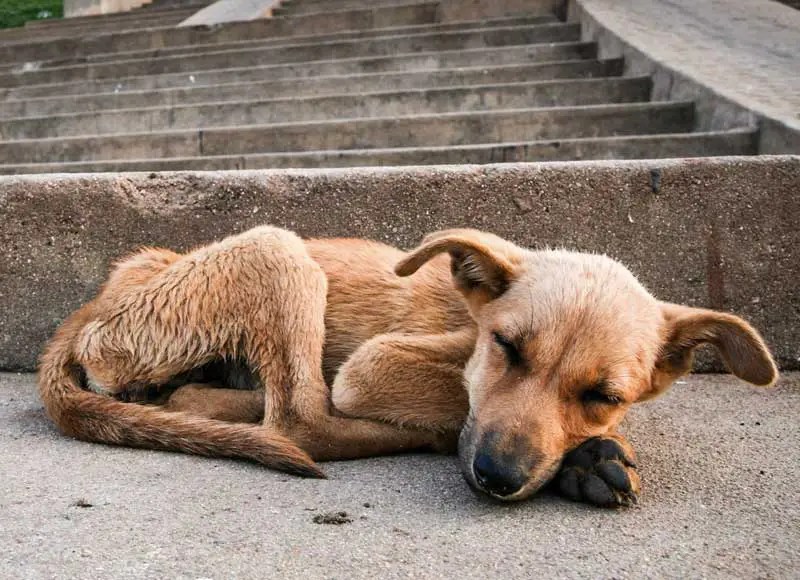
483 265
740 345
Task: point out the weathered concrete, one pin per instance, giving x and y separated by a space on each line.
297 7
255 56
333 107
224 11
319 86
737 59
668 146
494 126
245 42
715 232
469 9
416 62
45 49
719 462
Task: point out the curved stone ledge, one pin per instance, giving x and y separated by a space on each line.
736 59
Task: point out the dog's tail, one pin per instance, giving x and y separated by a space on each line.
94 417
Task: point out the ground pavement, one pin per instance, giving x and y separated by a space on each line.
719 460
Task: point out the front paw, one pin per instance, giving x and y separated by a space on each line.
600 471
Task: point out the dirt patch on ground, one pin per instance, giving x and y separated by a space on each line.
332 518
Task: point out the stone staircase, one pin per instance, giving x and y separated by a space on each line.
156 14
327 83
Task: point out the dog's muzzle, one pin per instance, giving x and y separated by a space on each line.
502 471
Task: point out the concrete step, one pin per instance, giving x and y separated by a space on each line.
430 61
343 106
300 53
35 50
413 131
319 86
159 4
298 8
678 145
313 39
307 6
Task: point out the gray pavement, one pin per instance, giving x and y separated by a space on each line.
719 461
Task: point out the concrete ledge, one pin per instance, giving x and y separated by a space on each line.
715 232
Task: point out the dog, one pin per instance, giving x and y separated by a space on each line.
285 351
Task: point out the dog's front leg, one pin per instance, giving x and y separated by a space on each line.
600 471
409 380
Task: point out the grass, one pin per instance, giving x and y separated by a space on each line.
17 12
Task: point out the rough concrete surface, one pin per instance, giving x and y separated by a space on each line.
73 43
711 232
478 9
719 462
333 107
621 147
542 55
432 130
289 88
303 59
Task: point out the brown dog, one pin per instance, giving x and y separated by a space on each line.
552 346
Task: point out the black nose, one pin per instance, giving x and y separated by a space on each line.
497 477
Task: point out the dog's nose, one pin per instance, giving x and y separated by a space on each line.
496 477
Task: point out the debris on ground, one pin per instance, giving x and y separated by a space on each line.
332 518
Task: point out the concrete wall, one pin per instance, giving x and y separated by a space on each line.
92 7
713 232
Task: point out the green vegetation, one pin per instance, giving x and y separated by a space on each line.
17 12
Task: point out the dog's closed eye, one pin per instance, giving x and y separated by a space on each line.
513 355
599 394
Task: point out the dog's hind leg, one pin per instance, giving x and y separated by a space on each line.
186 312
214 402
257 297
310 420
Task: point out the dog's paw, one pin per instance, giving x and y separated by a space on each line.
600 471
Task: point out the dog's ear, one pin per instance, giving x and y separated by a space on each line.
483 265
740 345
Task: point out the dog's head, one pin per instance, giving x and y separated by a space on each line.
567 342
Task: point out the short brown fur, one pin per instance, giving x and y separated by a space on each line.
356 349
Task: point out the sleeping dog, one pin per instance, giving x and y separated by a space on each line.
286 351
